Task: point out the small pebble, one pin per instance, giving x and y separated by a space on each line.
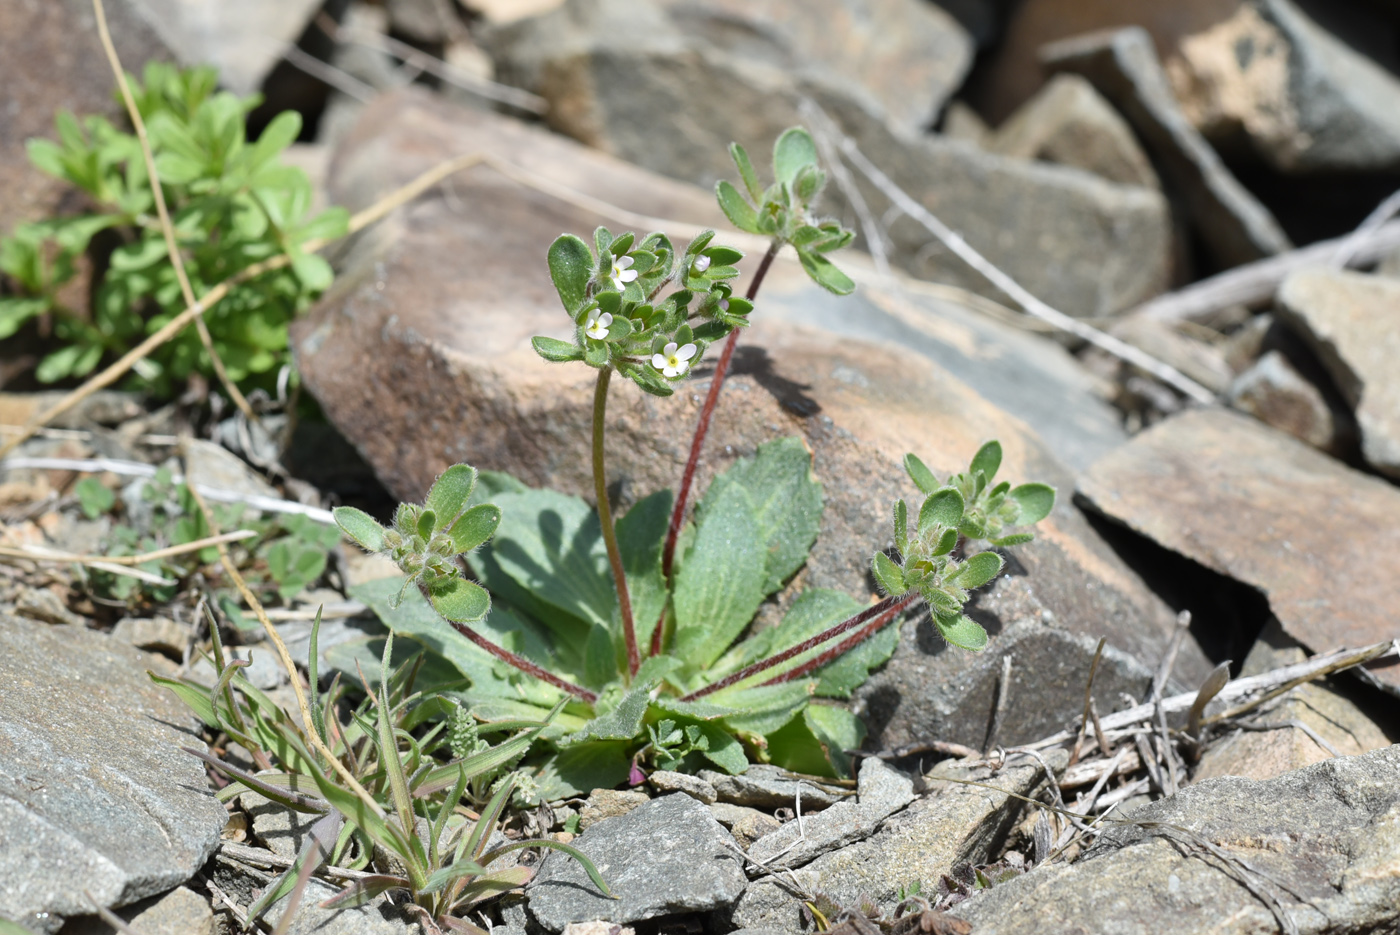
664 780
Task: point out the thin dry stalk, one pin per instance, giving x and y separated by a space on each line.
37 554
1088 702
172 246
308 723
1023 297
999 711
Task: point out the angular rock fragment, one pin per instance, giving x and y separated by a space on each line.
768 787
96 795
1320 540
1349 319
622 76
881 792
666 857
698 789
1123 65
1301 97
1070 123
1275 393
1320 844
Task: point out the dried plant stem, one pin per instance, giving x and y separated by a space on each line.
168 229
308 723
600 489
48 556
707 411
1088 702
889 605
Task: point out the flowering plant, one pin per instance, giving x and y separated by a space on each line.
638 625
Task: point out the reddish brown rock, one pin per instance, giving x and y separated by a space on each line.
53 61
1320 540
420 354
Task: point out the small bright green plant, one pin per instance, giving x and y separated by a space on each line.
407 817
233 204
288 554
638 626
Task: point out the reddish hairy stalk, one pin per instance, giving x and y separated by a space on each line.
656 633
889 605
600 489
835 652
703 427
523 664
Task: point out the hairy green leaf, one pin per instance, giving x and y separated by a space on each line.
460 600
943 507
556 351
979 569
987 460
570 267
888 574
923 478
475 526
450 493
825 273
961 631
1036 502
794 150
641 535
740 213
720 586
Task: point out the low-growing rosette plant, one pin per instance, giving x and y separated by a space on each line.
642 626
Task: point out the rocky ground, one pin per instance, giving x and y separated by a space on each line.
1168 659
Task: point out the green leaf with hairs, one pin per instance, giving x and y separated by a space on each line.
556 351
793 151
825 273
475 526
888 574
961 631
570 267
943 507
460 600
361 527
450 493
746 171
1036 502
987 460
979 569
721 583
735 207
923 478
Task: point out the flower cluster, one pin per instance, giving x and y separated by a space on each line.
966 507
613 294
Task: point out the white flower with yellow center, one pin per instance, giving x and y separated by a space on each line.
622 273
673 360
597 327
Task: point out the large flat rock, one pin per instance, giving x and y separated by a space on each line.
420 354
1322 844
95 793
1320 540
1350 320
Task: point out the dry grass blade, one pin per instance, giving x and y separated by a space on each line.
1088 703
1023 297
38 554
1003 699
1218 678
308 723
172 246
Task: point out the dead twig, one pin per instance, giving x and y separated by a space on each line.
1088 702
1003 696
39 554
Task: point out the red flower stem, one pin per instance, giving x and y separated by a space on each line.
888 605
656 634
600 488
703 427
835 652
523 664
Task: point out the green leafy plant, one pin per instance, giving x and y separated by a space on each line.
233 204
287 554
642 628
417 764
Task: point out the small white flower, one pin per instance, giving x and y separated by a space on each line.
621 274
673 362
701 263
597 327
724 305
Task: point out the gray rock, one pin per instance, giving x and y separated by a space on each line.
609 803
882 791
214 465
928 692
668 781
424 21
1275 393
950 824
1070 123
667 857
768 787
276 827
1301 97
1323 841
157 634
900 59
376 918
1320 540
95 793
245 41
1123 65
774 904
179 912
1349 320
45 606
